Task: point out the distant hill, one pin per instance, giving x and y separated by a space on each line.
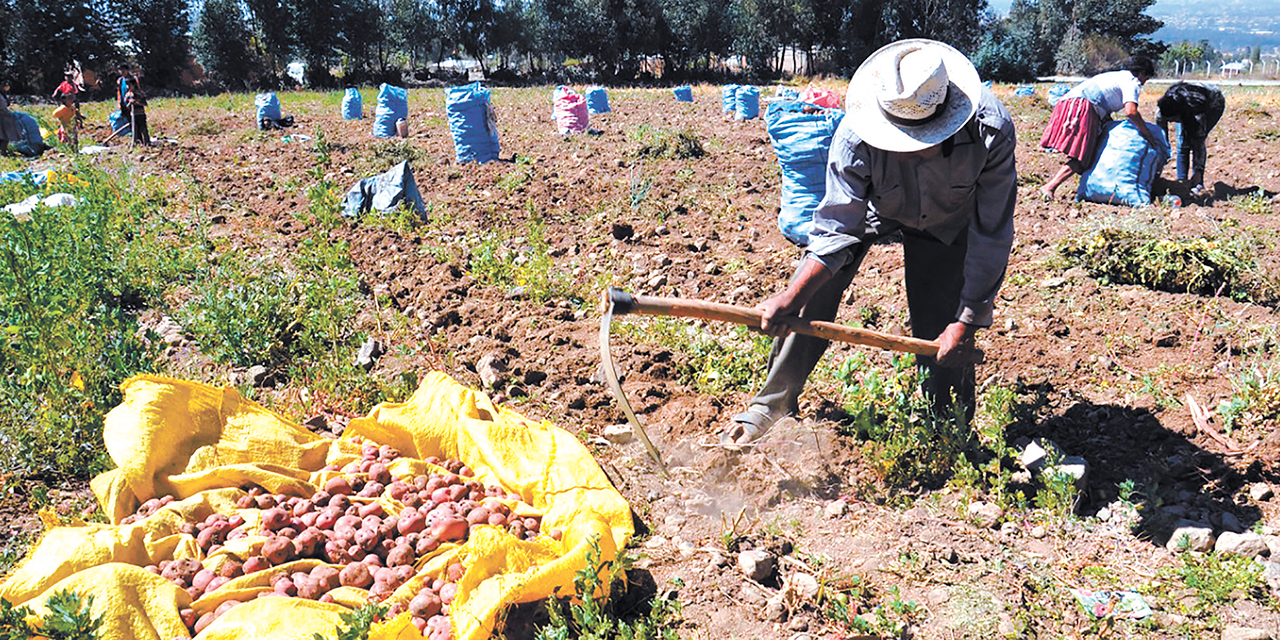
1228 25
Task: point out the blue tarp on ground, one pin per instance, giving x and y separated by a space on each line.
801 135
352 104
746 103
384 192
1056 92
1126 165
471 121
597 100
393 104
683 94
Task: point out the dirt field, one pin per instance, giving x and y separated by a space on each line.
1103 370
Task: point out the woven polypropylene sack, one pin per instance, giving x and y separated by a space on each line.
1126 166
801 135
352 104
393 105
471 122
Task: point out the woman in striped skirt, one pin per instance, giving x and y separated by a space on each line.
1077 117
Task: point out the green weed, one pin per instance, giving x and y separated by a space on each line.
855 607
518 176
591 616
906 443
662 143
356 624
1218 579
69 618
204 126
498 259
1256 203
1256 399
713 364
71 281
1136 252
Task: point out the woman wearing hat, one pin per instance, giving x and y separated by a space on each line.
927 151
1077 118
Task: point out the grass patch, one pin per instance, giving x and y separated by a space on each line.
663 143
1216 579
1132 251
1255 400
1256 203
712 364
71 282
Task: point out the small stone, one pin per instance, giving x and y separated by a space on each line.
657 281
1245 633
836 509
490 369
1104 514
686 548
1053 282
1009 528
655 542
757 564
1006 628
775 610
369 353
517 293
1190 536
622 231
806 586
619 434
937 596
985 514
257 375
1073 468
1271 574
1241 544
1038 453
1260 492
1038 532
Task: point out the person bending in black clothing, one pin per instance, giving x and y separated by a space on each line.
1197 108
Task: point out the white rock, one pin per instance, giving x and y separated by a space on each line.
1260 492
619 433
655 542
1038 453
1037 532
805 585
985 514
1245 633
1197 538
757 564
1073 467
775 610
836 509
1241 544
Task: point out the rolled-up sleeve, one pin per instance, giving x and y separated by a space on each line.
991 231
838 220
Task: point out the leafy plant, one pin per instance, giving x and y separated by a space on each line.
1135 252
69 618
662 143
356 624
715 363
1256 203
906 442
593 616
854 606
1217 578
518 176
1256 399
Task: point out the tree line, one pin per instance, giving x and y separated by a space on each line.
249 44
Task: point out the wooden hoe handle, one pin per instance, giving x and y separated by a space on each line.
624 303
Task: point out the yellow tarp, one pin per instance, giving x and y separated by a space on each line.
201 444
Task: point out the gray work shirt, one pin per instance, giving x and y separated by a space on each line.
870 190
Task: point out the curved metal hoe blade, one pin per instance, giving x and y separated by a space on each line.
610 374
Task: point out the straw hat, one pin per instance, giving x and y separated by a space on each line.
911 95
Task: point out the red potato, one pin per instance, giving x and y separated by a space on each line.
328 517
356 575
441 495
402 554
379 473
372 560
380 591
411 522
278 550
532 524
466 472
388 526
425 604
288 532
308 543
348 522
370 522
309 518
497 519
255 564
202 579
204 621
320 497
266 501
308 588
372 489
396 490
448 592
556 534
225 607
451 478
341 501
437 584
216 583
256 491
246 502
327 576
420 624
189 617
367 539
187 528
338 485
275 518
448 530
335 551
351 467
388 453
285 586
328 597
302 508
369 451
371 509
153 569
208 537
194 593
383 574
479 515
420 482
455 572
235 520
426 545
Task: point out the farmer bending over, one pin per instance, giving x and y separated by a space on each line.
1198 108
927 151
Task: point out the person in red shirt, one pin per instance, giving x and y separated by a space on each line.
67 93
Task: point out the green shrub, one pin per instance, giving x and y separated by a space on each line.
1135 252
69 618
663 143
71 282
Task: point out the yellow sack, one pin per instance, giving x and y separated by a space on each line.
200 444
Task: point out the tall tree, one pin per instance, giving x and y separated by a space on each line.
317 28
272 24
220 39
157 35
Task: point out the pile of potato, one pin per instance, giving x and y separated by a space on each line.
343 525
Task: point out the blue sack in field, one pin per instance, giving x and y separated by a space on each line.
1056 92
393 104
746 103
801 135
268 106
120 124
384 192
728 98
684 93
1126 165
471 121
352 105
597 100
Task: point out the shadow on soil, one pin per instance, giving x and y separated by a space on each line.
1174 478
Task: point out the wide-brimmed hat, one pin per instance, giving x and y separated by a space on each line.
912 94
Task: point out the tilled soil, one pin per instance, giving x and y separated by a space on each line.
1104 371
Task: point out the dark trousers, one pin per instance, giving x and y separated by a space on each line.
934 278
